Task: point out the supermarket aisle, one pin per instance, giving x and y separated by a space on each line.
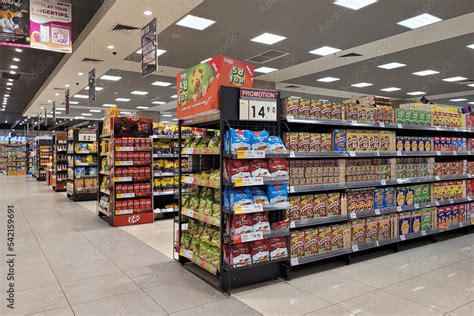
68 261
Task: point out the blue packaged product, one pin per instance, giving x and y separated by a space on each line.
240 197
379 198
259 140
277 193
276 144
80 171
259 196
92 171
389 195
239 139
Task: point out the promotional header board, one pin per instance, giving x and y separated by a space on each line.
15 23
197 88
92 85
149 43
51 25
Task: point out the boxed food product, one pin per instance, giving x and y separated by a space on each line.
415 222
404 223
384 227
320 205
260 251
241 224
297 244
337 235
311 242
291 106
325 239
333 204
260 222
294 211
278 248
240 255
372 229
307 206
339 140
358 232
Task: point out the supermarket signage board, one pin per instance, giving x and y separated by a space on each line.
87 137
258 105
92 85
149 45
66 101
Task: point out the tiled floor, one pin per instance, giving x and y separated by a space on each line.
70 262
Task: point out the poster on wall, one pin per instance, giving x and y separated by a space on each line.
15 23
148 41
51 25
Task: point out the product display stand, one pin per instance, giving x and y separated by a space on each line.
82 161
43 155
17 156
125 176
60 162
212 243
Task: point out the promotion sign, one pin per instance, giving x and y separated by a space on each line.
148 41
66 101
51 25
15 23
258 105
92 85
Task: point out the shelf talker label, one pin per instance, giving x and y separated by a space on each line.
251 236
355 248
423 233
251 208
353 215
250 154
243 182
402 237
295 261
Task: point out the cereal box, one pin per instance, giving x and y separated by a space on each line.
415 222
307 206
372 231
333 204
325 239
311 243
339 140
404 223
297 248
320 205
337 232
315 109
291 106
358 232
294 212
384 227
352 140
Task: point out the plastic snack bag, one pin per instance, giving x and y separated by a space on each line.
277 193
259 196
259 140
276 144
240 197
239 139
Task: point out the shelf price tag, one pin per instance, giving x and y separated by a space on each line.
417 206
382 124
383 182
399 209
124 163
455 153
376 243
187 151
399 153
257 105
251 208
292 189
295 261
438 153
400 125
377 211
437 178
292 224
292 154
352 154
469 198
251 236
189 213
353 122
461 224
189 180
245 182
355 248
451 201
437 203
402 237
125 195
82 137
125 179
423 233
250 154
353 215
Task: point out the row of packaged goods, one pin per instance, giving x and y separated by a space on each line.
310 206
204 242
81 159
308 242
373 109
267 195
169 165
341 141
82 171
80 184
271 168
140 188
142 172
82 147
137 205
135 142
202 142
135 156
165 183
172 129
203 201
163 147
238 139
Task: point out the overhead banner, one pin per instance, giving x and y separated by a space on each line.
54 111
66 101
50 25
149 43
15 23
92 85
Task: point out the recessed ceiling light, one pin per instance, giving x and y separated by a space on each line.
354 4
362 84
416 93
86 114
8 88
73 102
95 111
122 99
11 80
147 12
80 73
60 109
469 85
42 107
110 78
125 113
16 59
470 102
328 79
58 112
56 94
419 21
13 67
161 83
96 88
454 79
195 22
7 95
79 117
49 101
325 50
174 96
67 85
107 105
426 72
391 65
265 70
139 92
160 52
390 89
142 107
471 46
458 100
81 96
268 38
165 121
13 72
110 46
167 115
18 50
158 102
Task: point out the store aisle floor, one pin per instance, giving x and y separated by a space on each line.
71 262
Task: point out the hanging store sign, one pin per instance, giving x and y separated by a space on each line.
51 25
15 23
54 111
258 105
92 85
149 44
66 101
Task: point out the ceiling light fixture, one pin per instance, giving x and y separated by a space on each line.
161 83
11 80
122 100
268 38
354 4
80 73
392 65
96 88
471 46
79 117
125 113
328 79
454 79
107 105
416 93
142 107
195 22
139 92
95 111
86 114
469 85
67 85
18 50
167 115
426 72
324 51
470 102
158 102
391 89
49 101
265 70
13 72
61 109
419 21
110 46
16 59
362 84
458 100
174 96
81 96
147 12
73 102
13 67
110 78
56 94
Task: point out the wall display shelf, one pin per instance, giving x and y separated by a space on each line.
82 164
60 162
125 177
43 157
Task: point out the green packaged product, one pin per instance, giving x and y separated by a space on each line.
193 228
399 115
195 246
195 191
426 219
412 117
418 192
215 256
215 238
186 241
216 210
185 202
205 236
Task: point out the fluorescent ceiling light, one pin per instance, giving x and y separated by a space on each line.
174 96
325 50
73 102
110 78
175 119
470 102
142 107
42 107
67 85
49 115
354 4
416 93
268 38
80 73
195 22
110 47
56 94
11 80
167 115
49 101
158 102
122 99
471 46
161 83
265 70
125 113
57 112
454 79
81 96
13 67
96 88
107 105
8 88
139 92
147 12
95 111
390 89
391 65
16 59
458 100
205 60
18 50
13 72
419 21
362 84
426 72
86 114
160 52
60 109
469 85
79 117
328 79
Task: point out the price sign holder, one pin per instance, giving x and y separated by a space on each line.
258 105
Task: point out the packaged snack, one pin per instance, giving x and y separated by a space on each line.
240 255
320 204
352 140
259 196
339 140
261 222
358 232
379 198
415 223
240 197
314 142
326 139
258 168
239 139
278 248
294 212
241 224
372 229
238 169
260 251
303 142
291 106
278 167
363 141
276 144
409 196
277 193
306 204
337 234
404 223
333 204
303 111
315 109
259 140
384 227
374 140
311 242
325 239
297 244
401 193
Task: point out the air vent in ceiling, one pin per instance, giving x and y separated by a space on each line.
123 28
267 56
91 60
292 86
350 55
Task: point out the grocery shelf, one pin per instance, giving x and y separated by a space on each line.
256 265
255 208
253 181
163 155
140 149
255 154
163 137
318 221
164 174
164 210
127 163
248 237
160 193
201 217
375 154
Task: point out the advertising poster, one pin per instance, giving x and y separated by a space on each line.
148 41
51 25
15 23
92 85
